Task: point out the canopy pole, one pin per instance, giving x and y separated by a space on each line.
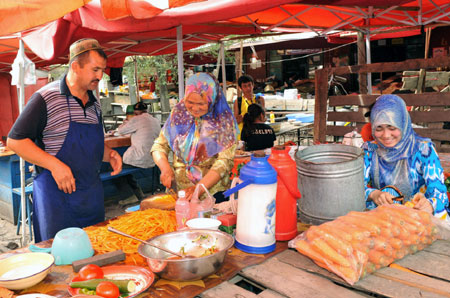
22 161
368 61
180 62
224 73
136 83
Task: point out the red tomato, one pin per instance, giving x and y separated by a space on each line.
91 271
107 289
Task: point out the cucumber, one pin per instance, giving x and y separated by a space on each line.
125 286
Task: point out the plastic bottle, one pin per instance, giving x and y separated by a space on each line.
182 210
272 117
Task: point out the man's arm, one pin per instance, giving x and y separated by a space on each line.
28 150
114 159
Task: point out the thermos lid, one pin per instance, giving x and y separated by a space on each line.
259 170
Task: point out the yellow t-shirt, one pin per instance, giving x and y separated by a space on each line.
244 107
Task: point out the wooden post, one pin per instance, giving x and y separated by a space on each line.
362 77
320 106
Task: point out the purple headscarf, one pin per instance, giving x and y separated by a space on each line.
194 140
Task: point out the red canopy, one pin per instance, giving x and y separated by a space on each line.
16 17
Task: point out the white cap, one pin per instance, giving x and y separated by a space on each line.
181 194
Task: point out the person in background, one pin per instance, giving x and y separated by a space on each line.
144 129
201 132
246 84
129 113
60 131
256 134
399 157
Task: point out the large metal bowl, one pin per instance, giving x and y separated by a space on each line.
194 243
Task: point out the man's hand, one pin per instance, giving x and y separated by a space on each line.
64 178
115 160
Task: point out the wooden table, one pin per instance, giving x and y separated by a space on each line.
286 273
290 274
297 132
121 141
56 282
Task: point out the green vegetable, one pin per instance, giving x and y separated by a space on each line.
87 292
125 286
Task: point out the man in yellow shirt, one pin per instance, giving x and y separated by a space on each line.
246 84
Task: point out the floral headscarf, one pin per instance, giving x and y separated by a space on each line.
194 140
390 166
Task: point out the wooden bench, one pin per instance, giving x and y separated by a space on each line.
430 117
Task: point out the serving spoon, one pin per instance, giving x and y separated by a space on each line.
111 229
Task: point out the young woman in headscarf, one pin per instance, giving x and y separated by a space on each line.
400 158
201 131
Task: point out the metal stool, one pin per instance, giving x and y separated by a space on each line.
29 208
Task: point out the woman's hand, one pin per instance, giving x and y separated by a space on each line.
189 192
422 203
381 197
167 176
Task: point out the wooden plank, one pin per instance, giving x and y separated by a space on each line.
421 282
346 116
292 282
439 247
410 64
426 99
428 263
268 293
416 116
338 130
371 283
227 289
430 116
320 105
434 133
363 100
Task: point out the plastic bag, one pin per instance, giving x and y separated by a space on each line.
198 205
353 139
359 243
159 201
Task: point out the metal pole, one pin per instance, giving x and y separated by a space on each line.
180 62
22 161
138 98
224 74
368 61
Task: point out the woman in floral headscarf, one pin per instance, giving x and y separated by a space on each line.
201 132
400 158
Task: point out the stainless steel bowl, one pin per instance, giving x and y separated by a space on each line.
194 242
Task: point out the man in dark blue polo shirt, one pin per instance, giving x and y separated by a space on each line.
60 130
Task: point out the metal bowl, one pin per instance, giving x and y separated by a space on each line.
194 242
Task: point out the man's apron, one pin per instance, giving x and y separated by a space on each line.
54 210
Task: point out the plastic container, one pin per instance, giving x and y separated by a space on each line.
203 223
182 210
255 228
287 193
